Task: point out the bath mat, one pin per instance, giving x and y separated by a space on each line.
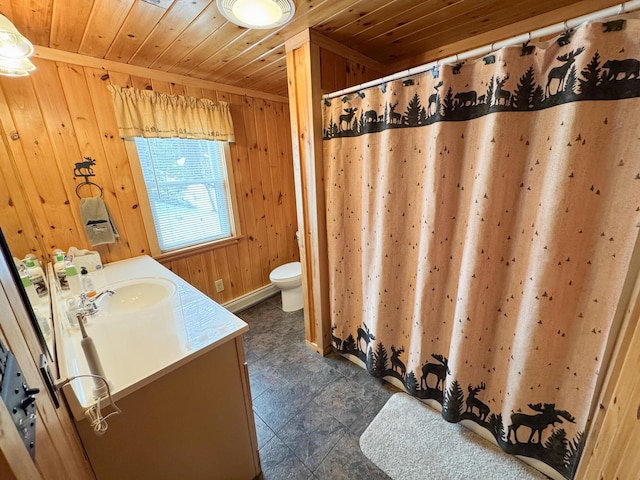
409 440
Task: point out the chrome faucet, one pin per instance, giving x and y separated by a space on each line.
89 305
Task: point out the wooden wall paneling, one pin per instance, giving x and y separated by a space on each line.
140 22
257 224
629 464
32 155
141 83
235 283
194 91
161 87
118 164
276 178
68 35
120 79
15 210
264 163
285 149
69 114
616 421
200 267
358 73
104 24
242 179
55 114
282 179
178 89
168 29
84 118
222 268
333 70
59 452
179 267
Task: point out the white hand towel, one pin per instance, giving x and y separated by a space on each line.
97 221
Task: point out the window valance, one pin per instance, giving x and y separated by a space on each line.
145 113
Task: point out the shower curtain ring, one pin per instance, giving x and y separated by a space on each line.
565 26
528 37
622 9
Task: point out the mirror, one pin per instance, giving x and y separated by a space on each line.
38 306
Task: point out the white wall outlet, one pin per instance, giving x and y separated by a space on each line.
219 285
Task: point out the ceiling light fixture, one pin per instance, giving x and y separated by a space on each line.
257 13
14 50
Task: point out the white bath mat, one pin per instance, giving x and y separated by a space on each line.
410 441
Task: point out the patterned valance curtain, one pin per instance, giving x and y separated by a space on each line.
480 220
145 113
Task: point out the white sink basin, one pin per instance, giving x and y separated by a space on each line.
136 294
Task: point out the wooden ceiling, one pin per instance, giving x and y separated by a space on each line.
191 37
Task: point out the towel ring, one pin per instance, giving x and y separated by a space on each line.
90 184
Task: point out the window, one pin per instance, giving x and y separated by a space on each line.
188 189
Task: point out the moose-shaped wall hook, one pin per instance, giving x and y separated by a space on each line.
83 169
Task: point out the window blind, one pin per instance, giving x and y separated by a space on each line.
188 190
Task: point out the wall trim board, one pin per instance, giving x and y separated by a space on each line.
135 70
250 299
539 21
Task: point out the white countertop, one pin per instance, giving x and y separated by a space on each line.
137 348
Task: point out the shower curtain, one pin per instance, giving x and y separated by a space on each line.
480 219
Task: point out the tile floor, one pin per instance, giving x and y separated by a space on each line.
310 410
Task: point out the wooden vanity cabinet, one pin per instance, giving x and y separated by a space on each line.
195 422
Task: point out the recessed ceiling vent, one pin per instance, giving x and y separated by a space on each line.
257 13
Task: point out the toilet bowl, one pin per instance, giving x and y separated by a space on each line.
288 278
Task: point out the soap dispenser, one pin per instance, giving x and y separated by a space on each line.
86 282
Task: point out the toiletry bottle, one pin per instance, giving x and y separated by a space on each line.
86 281
29 288
36 274
61 272
73 278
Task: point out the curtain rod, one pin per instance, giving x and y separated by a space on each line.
477 52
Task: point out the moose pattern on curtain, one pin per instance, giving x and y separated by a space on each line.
480 220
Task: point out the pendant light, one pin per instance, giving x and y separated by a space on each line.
14 50
259 14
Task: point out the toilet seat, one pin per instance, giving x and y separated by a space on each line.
288 271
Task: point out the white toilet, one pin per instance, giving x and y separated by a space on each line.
288 278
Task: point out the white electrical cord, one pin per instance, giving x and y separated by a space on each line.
94 413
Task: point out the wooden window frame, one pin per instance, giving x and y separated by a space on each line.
147 215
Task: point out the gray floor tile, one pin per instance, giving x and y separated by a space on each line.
347 462
280 463
311 434
309 410
345 399
263 432
276 406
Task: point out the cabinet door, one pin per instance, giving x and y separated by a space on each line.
190 423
